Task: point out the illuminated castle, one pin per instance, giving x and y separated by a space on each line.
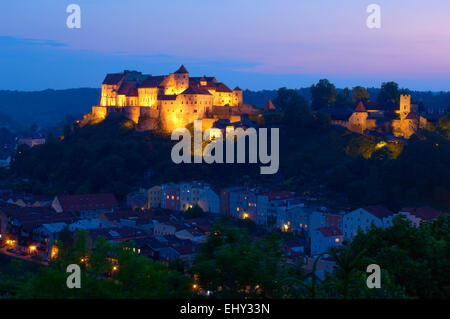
166 101
400 120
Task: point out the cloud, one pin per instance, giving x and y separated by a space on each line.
14 41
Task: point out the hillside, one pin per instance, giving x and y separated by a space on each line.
45 108
20 109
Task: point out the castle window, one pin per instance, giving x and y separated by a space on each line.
195 111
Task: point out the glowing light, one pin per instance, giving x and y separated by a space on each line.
336 240
245 215
115 268
32 248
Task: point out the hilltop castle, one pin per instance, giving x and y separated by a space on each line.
169 101
400 120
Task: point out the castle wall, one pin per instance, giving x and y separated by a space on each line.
108 95
358 122
148 96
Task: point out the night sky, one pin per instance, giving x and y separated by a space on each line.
256 44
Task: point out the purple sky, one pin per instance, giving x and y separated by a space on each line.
256 44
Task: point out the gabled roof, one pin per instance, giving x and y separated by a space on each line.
87 202
152 81
360 107
379 211
329 231
223 88
237 88
128 89
113 78
181 70
196 90
269 106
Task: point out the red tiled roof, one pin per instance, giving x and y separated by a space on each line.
425 213
379 211
269 106
87 202
360 107
237 88
329 231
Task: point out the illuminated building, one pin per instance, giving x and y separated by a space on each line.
166 101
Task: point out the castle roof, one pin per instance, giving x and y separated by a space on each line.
360 107
167 97
207 78
237 88
196 90
113 78
128 89
269 106
223 88
153 81
181 70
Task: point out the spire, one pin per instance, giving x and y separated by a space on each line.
269 106
181 70
360 107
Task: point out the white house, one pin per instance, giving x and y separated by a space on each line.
88 224
209 200
364 218
324 238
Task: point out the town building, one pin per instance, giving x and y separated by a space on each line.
363 218
322 239
87 205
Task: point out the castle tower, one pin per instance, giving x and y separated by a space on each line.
239 95
405 105
358 120
181 79
269 106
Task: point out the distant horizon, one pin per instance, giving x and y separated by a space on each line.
253 45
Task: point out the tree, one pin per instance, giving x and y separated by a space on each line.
359 93
323 94
342 99
233 265
389 93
